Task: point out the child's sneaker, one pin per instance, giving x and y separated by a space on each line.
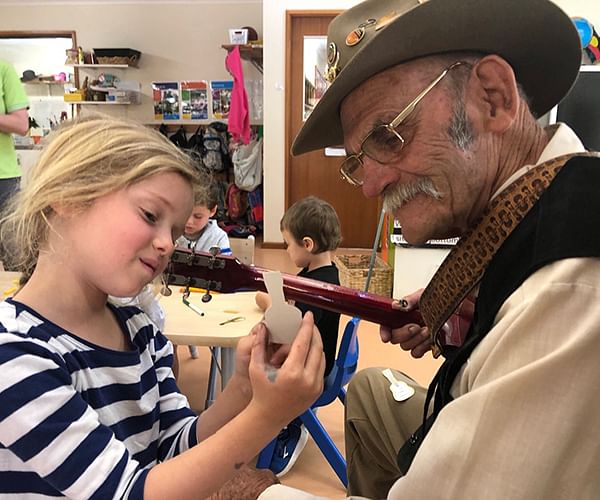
290 443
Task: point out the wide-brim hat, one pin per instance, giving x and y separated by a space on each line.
29 75
536 37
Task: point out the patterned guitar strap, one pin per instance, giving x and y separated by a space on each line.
465 265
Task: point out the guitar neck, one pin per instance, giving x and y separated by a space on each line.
368 306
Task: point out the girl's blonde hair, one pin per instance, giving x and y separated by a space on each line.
84 159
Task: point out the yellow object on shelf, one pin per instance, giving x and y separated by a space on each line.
73 96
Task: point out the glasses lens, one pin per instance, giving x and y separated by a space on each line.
352 170
383 144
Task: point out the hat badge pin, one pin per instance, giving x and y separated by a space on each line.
356 35
333 58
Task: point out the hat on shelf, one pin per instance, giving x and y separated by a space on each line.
29 75
535 37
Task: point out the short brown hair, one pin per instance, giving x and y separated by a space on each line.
206 192
314 218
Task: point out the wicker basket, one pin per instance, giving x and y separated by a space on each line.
353 269
130 61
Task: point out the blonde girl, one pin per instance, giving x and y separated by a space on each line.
89 407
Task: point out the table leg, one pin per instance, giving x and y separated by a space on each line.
227 364
211 388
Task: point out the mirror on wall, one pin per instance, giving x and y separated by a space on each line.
315 64
39 57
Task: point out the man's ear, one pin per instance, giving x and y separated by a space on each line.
495 87
308 243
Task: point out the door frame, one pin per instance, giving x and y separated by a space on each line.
289 17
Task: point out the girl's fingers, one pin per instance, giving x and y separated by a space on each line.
259 346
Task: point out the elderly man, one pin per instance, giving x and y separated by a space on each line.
436 104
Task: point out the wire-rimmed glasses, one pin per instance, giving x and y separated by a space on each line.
383 143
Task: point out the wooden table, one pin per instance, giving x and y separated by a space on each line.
184 326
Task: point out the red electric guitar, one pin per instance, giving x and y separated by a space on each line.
226 274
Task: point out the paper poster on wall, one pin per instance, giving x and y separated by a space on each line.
221 98
194 100
166 100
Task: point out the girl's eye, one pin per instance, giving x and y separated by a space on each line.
149 216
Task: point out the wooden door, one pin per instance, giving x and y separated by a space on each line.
314 173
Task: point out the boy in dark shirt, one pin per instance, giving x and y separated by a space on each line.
311 231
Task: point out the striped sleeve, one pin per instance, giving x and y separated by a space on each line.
82 421
52 430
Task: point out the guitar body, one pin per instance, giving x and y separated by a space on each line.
226 274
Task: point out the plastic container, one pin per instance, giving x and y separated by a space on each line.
238 36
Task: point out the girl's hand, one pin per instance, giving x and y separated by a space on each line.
411 337
283 393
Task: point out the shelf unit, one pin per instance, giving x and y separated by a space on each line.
122 66
101 66
249 52
101 103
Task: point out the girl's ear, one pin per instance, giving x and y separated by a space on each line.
308 243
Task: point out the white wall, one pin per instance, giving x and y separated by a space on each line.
178 40
274 103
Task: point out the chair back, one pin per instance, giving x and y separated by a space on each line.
345 364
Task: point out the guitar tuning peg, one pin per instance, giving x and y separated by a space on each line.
207 297
214 251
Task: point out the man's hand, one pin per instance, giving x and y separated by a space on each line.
411 337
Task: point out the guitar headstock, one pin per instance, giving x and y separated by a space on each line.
218 273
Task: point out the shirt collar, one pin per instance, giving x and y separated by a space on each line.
562 141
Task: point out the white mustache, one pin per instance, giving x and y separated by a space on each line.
400 194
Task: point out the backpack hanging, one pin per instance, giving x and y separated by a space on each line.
237 202
179 138
215 152
247 165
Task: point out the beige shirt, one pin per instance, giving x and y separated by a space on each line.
525 422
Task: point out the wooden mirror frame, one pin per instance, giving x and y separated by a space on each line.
45 34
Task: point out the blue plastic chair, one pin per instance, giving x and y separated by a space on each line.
341 373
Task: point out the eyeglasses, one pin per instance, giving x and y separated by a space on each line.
383 143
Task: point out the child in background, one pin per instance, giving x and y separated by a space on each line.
201 233
311 232
89 407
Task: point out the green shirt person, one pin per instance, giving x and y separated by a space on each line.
13 120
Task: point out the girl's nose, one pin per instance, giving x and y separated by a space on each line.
164 243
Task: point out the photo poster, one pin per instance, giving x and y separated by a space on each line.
221 98
194 100
166 100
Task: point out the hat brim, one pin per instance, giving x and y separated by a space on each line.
536 37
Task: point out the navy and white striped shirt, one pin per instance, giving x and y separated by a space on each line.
83 421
